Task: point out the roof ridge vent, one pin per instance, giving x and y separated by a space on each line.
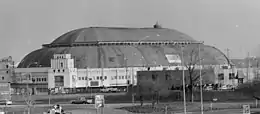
157 25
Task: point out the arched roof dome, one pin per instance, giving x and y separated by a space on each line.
113 56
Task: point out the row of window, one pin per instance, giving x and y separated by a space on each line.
39 79
105 77
59 70
231 76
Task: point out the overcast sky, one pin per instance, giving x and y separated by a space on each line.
26 24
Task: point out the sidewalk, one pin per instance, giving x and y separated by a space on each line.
105 111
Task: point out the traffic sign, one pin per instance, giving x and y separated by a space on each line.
246 109
99 101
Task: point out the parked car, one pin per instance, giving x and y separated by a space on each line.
83 100
6 102
109 90
209 88
224 87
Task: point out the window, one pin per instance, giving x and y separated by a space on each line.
53 70
115 77
119 77
167 76
7 66
44 79
33 79
101 78
123 77
86 78
6 72
90 79
59 81
79 78
97 77
61 65
221 76
231 75
40 79
63 70
105 77
3 78
59 70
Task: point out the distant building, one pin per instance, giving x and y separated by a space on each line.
165 81
6 69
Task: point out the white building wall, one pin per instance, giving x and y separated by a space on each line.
82 78
72 79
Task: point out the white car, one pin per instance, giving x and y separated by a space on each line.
9 102
6 102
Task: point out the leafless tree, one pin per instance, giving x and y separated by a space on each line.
27 96
192 59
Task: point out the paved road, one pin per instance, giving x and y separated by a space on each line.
68 96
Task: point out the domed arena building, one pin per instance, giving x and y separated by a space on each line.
119 56
74 60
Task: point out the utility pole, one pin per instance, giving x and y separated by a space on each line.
126 73
257 70
248 65
201 90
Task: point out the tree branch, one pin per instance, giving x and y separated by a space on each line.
198 76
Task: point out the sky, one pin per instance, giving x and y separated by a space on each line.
226 24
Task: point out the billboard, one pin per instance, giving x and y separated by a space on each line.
173 58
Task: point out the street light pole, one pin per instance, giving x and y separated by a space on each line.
183 82
201 92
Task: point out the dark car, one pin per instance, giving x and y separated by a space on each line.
83 100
